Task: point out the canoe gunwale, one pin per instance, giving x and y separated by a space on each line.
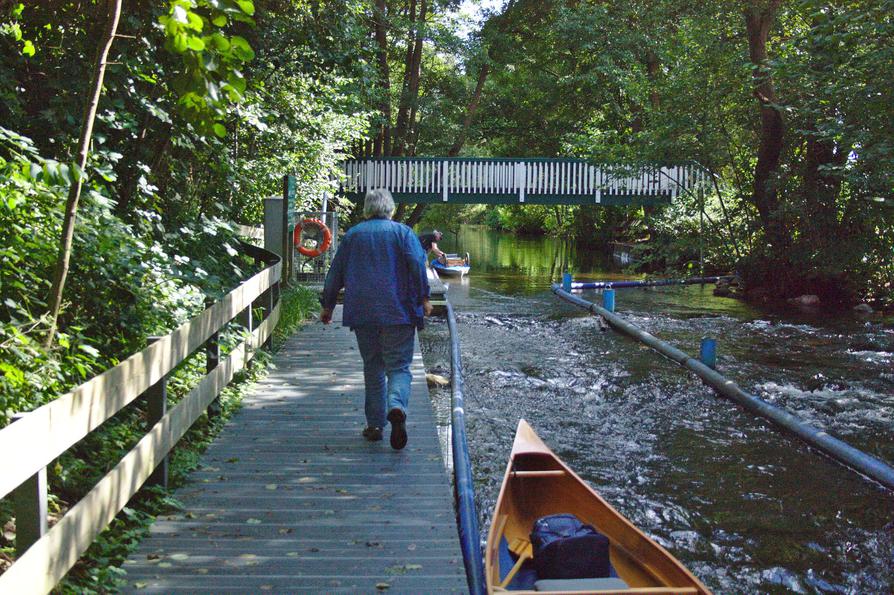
629 544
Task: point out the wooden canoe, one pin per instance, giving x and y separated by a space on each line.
537 483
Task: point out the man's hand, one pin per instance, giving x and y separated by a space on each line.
426 307
326 315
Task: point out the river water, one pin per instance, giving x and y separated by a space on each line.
747 508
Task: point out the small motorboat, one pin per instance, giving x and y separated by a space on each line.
537 484
452 265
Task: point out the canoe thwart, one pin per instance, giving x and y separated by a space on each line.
546 473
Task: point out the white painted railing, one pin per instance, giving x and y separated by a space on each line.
528 179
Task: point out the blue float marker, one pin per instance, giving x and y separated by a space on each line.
708 353
566 281
608 300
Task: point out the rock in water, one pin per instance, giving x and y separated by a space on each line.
436 380
863 309
805 300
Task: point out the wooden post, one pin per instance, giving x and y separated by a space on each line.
30 506
270 297
156 407
288 199
701 223
212 358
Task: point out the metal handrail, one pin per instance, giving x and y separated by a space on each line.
463 486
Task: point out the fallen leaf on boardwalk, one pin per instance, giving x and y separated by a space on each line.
233 460
152 556
140 585
292 554
202 570
248 556
266 587
402 568
253 521
411 547
179 557
285 531
164 564
271 486
383 586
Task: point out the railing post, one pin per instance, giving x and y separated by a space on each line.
444 180
708 352
288 200
156 407
270 297
608 299
212 358
30 505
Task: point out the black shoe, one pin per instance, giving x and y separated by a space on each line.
372 433
398 421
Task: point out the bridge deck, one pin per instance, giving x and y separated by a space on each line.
291 498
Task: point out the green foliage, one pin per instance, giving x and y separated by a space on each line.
210 78
675 82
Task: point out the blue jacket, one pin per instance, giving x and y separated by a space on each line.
381 265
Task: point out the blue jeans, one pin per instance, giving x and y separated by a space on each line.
387 353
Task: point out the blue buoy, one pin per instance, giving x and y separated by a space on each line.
608 300
566 281
708 353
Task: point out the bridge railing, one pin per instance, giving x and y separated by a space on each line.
538 181
36 438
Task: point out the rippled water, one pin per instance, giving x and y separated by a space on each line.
745 507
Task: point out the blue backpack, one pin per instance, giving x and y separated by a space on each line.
565 548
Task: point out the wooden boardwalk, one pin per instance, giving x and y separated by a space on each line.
291 498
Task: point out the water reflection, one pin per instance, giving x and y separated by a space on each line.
747 508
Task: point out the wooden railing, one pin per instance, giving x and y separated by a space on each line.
38 437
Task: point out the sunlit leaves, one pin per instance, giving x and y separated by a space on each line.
211 78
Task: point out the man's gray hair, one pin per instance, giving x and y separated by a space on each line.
379 204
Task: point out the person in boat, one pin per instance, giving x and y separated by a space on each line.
382 268
430 241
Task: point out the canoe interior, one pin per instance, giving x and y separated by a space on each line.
538 483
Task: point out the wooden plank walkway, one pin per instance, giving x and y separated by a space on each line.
290 498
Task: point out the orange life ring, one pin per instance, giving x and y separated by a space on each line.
321 246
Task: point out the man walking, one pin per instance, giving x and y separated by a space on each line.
381 265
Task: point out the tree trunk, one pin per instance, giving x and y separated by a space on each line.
383 140
74 191
758 20
470 111
417 213
412 74
652 69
